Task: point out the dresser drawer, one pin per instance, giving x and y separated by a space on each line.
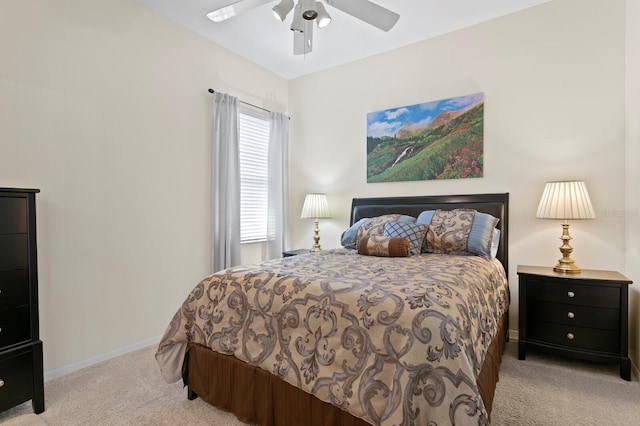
15 326
14 252
13 211
576 315
16 376
574 337
14 288
574 294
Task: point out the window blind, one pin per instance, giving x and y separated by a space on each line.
254 131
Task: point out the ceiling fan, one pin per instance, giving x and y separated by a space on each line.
305 12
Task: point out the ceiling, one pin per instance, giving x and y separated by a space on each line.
264 40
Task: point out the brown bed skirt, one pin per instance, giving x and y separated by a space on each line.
258 397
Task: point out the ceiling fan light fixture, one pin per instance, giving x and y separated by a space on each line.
309 9
323 18
282 9
223 14
297 23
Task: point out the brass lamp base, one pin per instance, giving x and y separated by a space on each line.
566 265
567 268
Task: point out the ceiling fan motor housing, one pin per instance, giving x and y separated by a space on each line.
309 9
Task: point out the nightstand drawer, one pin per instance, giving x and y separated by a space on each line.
575 315
575 337
13 211
16 376
14 288
14 253
15 326
574 294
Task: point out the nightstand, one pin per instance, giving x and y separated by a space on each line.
579 315
290 253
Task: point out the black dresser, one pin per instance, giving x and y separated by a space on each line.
580 315
21 370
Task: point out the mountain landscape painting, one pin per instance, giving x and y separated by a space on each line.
435 140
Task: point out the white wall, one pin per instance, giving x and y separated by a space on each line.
553 78
104 107
632 211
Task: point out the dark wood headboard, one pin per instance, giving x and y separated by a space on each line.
494 204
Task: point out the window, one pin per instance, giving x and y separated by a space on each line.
254 131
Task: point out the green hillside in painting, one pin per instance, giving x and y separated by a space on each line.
451 147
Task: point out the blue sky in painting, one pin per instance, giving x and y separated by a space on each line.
388 122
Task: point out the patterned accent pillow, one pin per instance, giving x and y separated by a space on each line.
413 232
449 231
375 225
425 217
377 245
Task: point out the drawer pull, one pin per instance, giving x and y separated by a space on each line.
570 336
1 383
571 315
571 294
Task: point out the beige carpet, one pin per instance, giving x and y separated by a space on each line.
127 390
541 391
549 391
23 420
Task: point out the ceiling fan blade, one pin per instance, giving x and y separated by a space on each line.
368 12
226 9
303 41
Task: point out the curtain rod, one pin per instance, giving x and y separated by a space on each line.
243 102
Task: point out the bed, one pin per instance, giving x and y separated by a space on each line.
338 338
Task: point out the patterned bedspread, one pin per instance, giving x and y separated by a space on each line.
395 341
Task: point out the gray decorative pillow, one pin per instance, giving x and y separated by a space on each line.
482 235
348 238
413 232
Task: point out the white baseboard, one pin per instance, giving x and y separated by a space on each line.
635 373
68 369
513 335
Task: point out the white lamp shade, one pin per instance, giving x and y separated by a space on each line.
315 207
565 200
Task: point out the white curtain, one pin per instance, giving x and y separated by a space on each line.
226 183
278 184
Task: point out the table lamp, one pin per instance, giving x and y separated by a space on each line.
565 200
315 207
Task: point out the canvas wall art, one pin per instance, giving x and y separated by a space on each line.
434 140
